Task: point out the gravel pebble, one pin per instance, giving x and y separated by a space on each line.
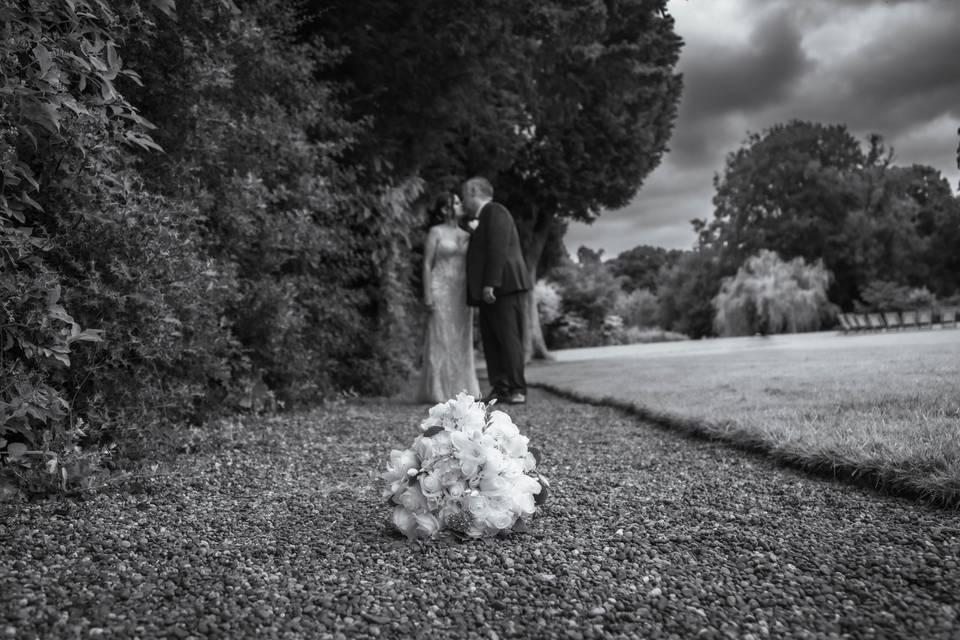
274 528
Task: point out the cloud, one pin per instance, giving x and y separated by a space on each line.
884 66
724 78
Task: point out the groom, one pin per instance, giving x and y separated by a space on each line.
496 279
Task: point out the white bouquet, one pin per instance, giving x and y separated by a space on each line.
469 472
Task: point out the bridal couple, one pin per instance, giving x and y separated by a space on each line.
472 258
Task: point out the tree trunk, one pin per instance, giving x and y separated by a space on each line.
534 346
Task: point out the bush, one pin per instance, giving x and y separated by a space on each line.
588 289
685 291
549 301
250 264
64 143
770 296
639 335
881 295
318 242
639 308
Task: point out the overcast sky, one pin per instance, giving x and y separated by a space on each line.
885 66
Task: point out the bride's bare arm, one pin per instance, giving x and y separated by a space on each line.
429 254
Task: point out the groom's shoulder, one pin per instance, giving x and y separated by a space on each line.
495 206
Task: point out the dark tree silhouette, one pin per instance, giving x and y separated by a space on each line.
602 112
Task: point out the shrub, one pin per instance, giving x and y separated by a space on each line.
768 295
63 143
639 308
881 295
549 302
639 335
685 290
318 241
588 289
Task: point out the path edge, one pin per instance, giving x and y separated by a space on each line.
729 433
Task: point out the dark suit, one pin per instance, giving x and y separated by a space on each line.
494 259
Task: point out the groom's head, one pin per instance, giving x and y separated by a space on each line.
476 192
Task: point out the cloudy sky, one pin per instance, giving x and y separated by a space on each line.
885 66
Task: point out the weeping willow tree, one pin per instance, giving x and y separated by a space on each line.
769 295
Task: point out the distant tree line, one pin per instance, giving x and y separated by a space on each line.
807 221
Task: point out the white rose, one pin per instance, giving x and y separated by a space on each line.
431 485
449 470
500 519
477 505
457 489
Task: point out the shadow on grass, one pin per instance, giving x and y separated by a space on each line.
903 481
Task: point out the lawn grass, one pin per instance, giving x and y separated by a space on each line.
883 409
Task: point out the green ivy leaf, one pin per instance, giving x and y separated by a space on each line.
167 7
43 114
44 58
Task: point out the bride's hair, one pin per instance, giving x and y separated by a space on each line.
441 210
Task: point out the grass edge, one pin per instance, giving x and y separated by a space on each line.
883 480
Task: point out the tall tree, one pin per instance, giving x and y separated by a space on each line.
790 190
566 105
439 81
906 230
262 145
640 267
810 190
602 108
685 291
787 189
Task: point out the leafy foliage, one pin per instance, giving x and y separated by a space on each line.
685 291
639 308
258 143
810 190
881 295
639 268
64 131
601 101
588 288
770 296
248 264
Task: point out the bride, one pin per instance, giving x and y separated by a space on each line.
448 366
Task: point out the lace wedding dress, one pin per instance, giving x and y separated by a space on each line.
448 363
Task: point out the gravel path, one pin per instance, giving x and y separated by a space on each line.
276 530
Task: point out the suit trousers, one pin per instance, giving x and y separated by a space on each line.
501 329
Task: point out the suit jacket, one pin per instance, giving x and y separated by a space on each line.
494 257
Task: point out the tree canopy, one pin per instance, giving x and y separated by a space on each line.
639 268
809 190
